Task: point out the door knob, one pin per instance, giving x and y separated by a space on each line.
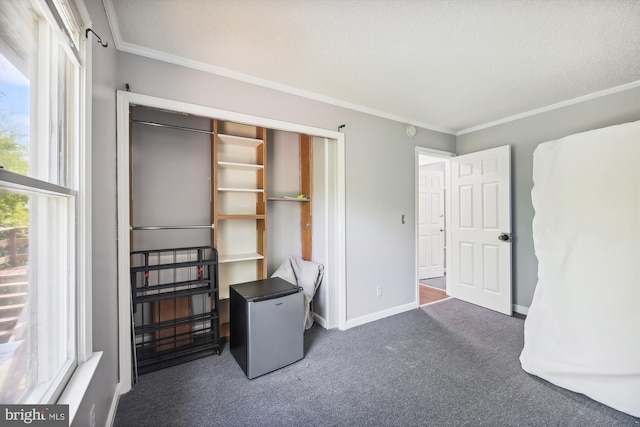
505 237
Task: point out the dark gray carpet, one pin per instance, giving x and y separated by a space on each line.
448 364
436 282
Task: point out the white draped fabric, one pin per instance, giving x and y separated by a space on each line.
306 274
582 331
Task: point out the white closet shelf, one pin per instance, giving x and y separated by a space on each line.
239 140
241 216
243 190
239 257
170 227
240 166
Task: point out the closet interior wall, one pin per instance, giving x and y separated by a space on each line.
175 294
285 214
170 180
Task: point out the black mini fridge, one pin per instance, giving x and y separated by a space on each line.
266 325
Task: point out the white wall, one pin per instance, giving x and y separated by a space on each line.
524 136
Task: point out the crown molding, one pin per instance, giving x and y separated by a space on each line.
268 84
113 22
224 72
552 107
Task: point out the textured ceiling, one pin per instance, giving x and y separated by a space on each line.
447 65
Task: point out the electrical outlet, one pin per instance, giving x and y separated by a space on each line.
379 290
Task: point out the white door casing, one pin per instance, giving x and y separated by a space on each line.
480 268
431 221
335 213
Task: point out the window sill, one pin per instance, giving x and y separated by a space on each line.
79 384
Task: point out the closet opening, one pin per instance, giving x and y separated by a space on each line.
255 189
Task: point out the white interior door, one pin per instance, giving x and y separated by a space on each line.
480 269
431 221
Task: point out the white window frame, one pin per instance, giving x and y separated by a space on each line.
87 359
42 213
70 386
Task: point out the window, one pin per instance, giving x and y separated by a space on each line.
39 190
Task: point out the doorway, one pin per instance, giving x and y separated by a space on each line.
477 204
432 169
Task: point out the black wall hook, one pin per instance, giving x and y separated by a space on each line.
99 40
341 127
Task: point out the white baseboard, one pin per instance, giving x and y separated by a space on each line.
114 406
381 314
321 320
520 309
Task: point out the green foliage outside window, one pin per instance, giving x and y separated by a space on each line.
14 210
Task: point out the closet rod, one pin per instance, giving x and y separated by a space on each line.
171 227
162 125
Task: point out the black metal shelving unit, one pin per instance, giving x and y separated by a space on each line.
175 299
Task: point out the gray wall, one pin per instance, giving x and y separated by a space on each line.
165 163
379 171
104 308
320 207
283 179
379 185
524 136
379 182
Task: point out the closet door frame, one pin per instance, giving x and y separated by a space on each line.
335 272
